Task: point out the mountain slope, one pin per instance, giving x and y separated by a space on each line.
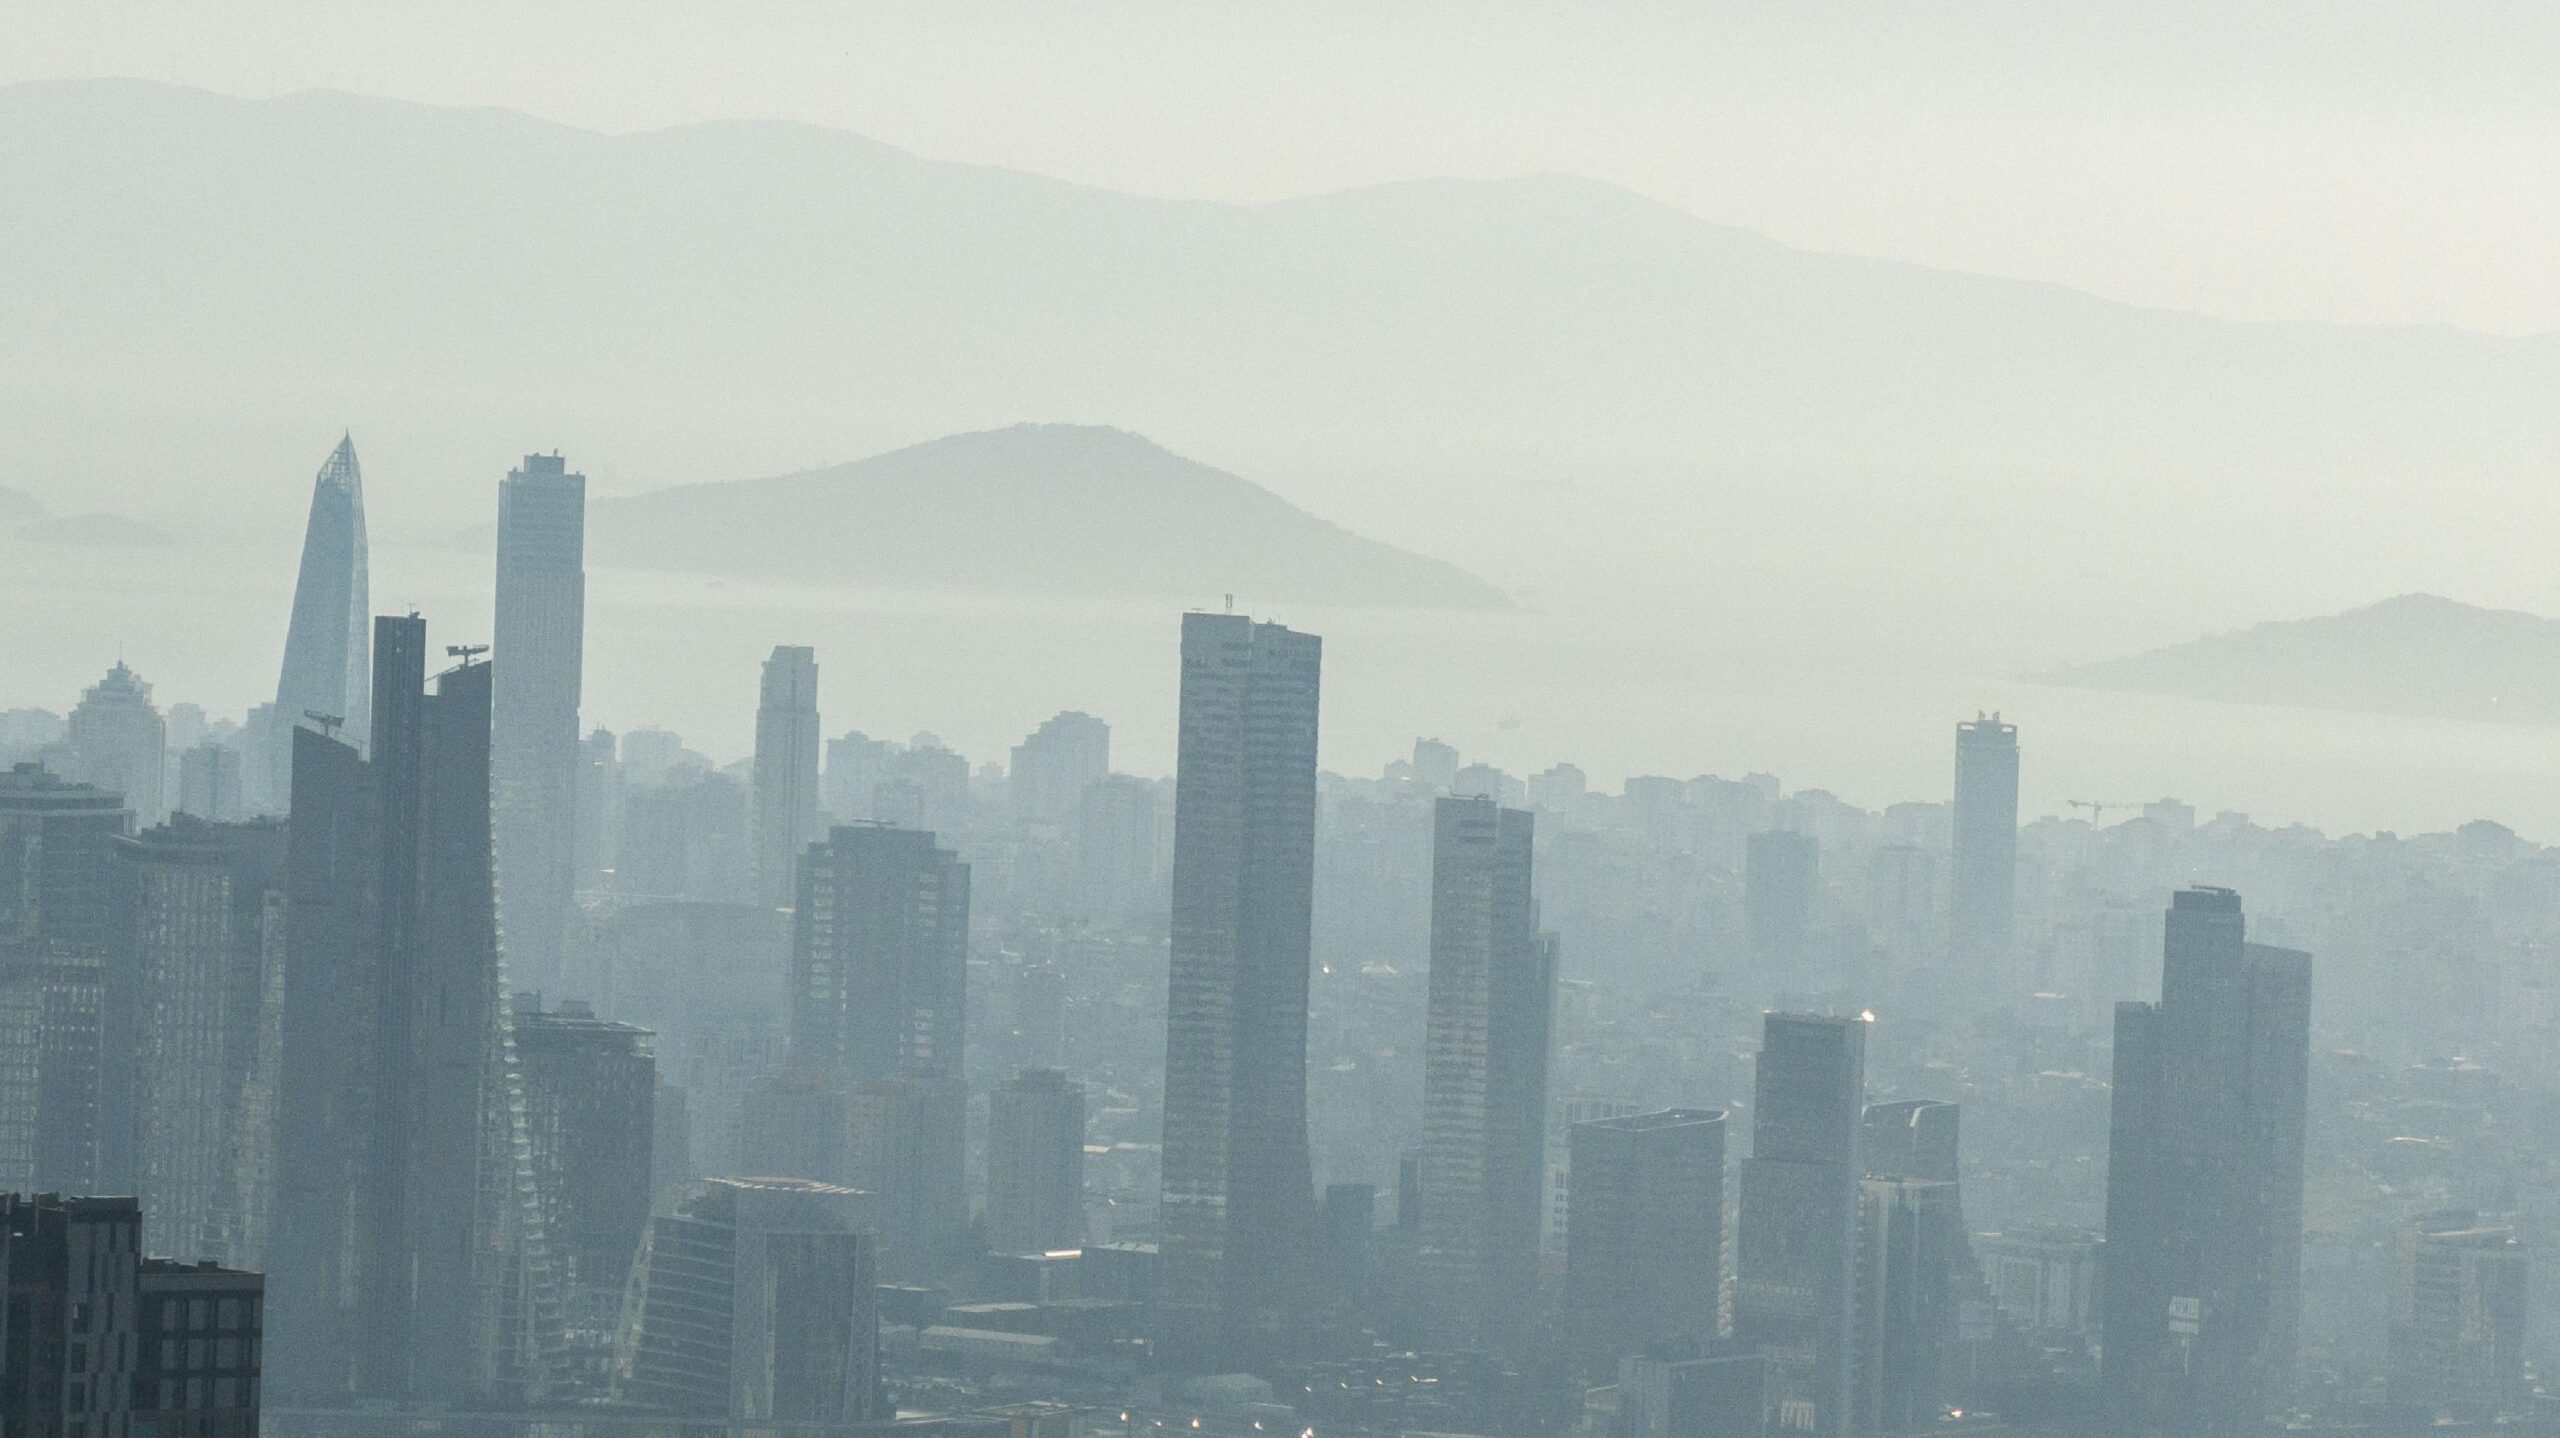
1532 372
2417 654
1032 509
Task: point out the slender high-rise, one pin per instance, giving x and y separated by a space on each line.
1797 1240
785 817
540 639
2203 1260
1484 1077
410 1262
1913 1254
327 678
1982 897
120 743
1238 1214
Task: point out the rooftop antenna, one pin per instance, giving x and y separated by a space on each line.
329 723
466 652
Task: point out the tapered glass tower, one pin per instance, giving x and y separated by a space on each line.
328 657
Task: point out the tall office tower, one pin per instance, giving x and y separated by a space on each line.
1484 1077
328 667
1726 1396
197 1349
856 764
58 859
410 1257
1644 1254
52 1002
1238 1211
786 778
202 959
756 1301
540 641
905 1145
209 782
1984 876
1055 765
2459 1288
2203 1260
879 958
1913 1257
1116 844
1797 1240
590 1104
1035 1163
119 744
1781 875
599 810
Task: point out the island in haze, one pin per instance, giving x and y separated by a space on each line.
1047 509
2417 654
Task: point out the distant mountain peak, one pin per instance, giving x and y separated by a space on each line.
2415 654
1044 508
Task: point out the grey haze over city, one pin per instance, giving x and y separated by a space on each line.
781 717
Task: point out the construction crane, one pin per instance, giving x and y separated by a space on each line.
466 652
2098 808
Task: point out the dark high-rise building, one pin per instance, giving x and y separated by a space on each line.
1984 877
202 959
1053 767
879 957
1913 1257
2460 1287
53 1104
327 676
757 1301
2203 1259
590 1103
1794 1289
540 640
785 818
1781 875
1724 1396
410 1261
58 859
1484 1077
1035 1163
1238 1212
905 1145
1644 1253
119 742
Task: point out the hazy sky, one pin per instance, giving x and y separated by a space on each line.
2334 159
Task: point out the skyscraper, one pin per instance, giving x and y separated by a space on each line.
1484 1076
1912 1256
756 1301
785 817
1984 875
1054 765
590 1100
328 666
1238 1212
2203 1260
540 640
119 743
1035 1163
204 915
58 858
1797 1240
1644 1251
410 1260
879 958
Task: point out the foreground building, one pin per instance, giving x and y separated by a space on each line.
2203 1258
1644 1247
1238 1216
1795 1276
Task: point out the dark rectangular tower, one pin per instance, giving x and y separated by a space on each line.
1794 1290
1984 877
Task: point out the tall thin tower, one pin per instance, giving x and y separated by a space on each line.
1984 891
1484 1077
786 777
328 657
1238 1215
540 638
